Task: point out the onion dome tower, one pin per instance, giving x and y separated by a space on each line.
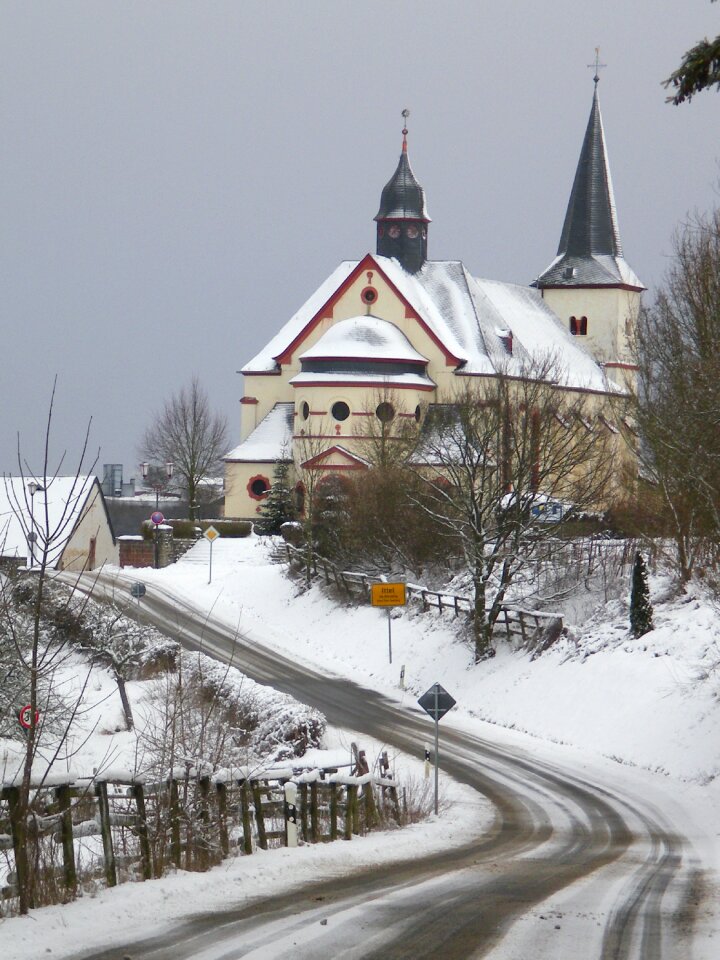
402 219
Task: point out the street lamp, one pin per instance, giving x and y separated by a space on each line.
157 487
33 488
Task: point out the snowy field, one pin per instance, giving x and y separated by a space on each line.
641 715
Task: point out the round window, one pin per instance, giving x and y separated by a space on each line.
258 487
369 295
340 410
305 410
385 412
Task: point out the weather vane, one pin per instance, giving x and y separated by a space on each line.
597 66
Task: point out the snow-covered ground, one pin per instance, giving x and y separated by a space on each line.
641 714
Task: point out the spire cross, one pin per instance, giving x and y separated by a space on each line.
405 114
597 66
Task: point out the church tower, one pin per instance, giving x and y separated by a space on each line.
402 219
589 284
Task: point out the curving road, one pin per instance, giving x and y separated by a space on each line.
568 870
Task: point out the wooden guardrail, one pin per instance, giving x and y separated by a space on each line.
517 622
188 821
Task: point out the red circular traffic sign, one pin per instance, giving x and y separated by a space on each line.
157 518
25 716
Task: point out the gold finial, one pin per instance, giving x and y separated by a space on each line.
597 66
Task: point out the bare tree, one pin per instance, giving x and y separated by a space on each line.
497 463
678 404
192 437
38 650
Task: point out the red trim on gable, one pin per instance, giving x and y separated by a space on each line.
325 313
355 464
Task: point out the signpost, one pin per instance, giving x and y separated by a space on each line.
157 518
436 702
388 595
137 590
211 535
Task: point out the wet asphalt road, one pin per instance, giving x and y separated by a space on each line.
551 832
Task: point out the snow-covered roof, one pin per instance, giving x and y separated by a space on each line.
472 318
364 337
270 441
350 377
55 512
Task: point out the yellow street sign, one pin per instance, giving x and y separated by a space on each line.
388 594
211 534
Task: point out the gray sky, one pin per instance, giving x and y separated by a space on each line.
179 175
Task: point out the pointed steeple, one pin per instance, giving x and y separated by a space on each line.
590 251
402 218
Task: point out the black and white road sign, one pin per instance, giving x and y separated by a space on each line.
436 701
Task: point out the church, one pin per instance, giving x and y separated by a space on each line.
387 336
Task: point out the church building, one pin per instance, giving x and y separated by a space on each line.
387 336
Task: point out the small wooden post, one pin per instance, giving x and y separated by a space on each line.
175 850
259 818
245 812
203 845
314 819
221 789
303 791
333 811
350 794
101 792
370 808
138 793
66 833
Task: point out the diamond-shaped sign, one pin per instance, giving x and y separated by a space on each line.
436 701
211 534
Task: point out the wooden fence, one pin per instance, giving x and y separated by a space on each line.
527 625
187 821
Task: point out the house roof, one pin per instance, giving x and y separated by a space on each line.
54 512
590 251
474 321
270 441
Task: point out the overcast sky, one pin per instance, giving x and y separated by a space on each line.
179 175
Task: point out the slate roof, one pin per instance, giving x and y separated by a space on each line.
590 251
402 197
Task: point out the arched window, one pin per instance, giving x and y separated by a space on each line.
573 326
583 326
300 498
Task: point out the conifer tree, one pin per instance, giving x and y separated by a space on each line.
279 506
641 612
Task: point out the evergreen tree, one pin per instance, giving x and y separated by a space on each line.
641 612
279 506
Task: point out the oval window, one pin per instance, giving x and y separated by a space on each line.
385 412
418 413
340 410
305 410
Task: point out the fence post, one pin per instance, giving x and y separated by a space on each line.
175 850
303 791
101 792
370 808
314 820
333 810
350 797
245 810
138 793
203 841
259 819
66 833
221 789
